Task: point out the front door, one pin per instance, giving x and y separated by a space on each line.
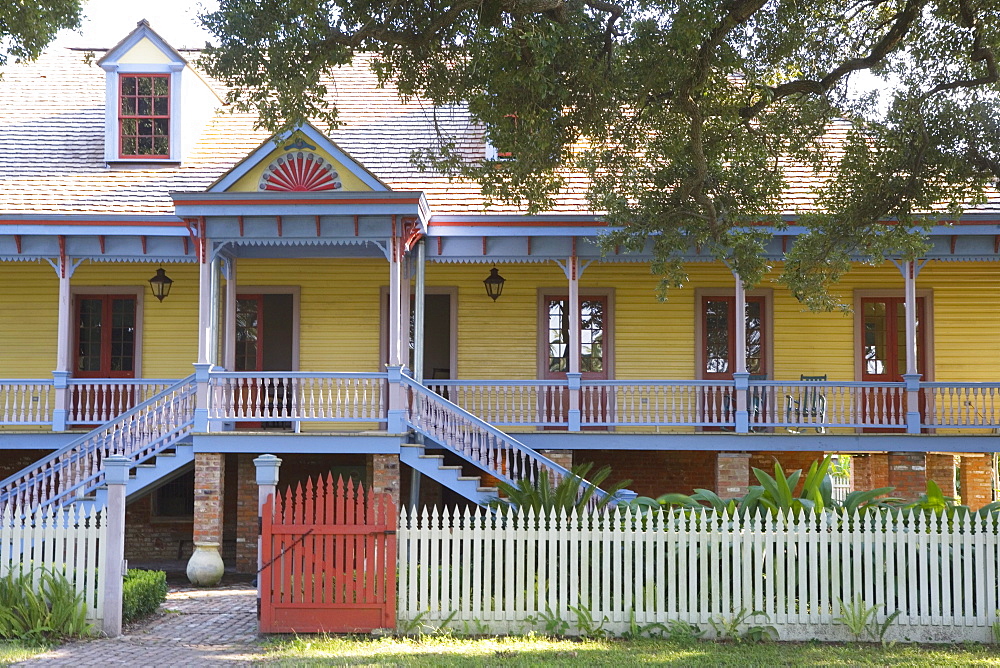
105 348
883 355
594 403
264 342
718 358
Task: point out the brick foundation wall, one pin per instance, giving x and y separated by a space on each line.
151 539
732 474
976 481
12 461
209 478
941 469
655 472
908 474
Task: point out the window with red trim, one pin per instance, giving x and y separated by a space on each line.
144 116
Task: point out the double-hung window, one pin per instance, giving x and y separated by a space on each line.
144 116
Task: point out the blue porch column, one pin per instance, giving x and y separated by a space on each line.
741 389
397 413
202 394
912 381
573 414
60 381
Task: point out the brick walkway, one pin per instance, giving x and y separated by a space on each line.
210 627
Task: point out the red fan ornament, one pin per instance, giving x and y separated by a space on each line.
300 171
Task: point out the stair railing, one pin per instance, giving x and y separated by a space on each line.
76 469
495 452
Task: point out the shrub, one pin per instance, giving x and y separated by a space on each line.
142 594
46 606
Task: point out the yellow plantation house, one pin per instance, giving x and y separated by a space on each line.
183 289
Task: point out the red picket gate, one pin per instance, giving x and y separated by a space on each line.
329 560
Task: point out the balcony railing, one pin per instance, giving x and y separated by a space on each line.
753 407
94 401
266 397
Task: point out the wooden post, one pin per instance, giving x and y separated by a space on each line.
573 316
419 310
229 344
911 377
267 483
64 337
741 377
116 468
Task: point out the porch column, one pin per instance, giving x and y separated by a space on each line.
740 376
383 472
204 306
229 342
419 311
396 411
976 480
205 568
911 377
214 353
908 474
395 285
573 317
732 474
64 338
406 272
941 469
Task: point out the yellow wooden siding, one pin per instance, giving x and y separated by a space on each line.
170 327
339 312
29 292
341 317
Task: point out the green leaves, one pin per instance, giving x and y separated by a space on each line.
26 28
701 124
572 492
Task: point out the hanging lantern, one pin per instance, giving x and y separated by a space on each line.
160 284
494 283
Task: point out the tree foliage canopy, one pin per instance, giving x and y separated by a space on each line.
684 111
27 27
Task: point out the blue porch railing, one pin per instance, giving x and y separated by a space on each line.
748 406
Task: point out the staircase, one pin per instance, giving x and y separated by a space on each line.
151 434
477 442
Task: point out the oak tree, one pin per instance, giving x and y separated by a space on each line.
688 114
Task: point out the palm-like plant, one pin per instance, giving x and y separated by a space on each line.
571 493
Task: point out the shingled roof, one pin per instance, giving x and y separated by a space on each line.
52 121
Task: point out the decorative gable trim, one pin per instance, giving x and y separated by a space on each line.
318 140
111 59
143 51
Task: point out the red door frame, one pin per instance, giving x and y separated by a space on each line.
895 332
557 402
114 400
722 408
106 331
250 389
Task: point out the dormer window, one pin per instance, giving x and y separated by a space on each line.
144 116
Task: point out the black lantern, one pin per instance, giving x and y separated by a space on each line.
494 283
160 284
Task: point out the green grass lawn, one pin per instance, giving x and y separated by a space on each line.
12 651
539 651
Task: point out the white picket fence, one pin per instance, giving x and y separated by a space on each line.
513 573
68 540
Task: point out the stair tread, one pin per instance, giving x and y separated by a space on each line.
430 457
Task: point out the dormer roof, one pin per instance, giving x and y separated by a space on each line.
142 46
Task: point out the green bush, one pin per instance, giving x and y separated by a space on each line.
51 609
142 594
